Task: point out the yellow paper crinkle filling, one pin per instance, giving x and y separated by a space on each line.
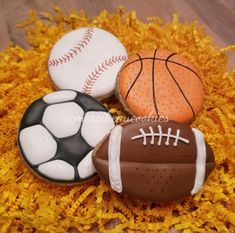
28 204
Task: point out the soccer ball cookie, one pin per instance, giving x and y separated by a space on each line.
87 60
154 161
58 132
160 83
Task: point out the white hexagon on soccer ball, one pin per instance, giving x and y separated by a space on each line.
98 122
63 119
37 144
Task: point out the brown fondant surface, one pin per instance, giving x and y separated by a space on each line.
154 172
162 182
135 151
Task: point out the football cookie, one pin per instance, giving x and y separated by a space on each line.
87 60
160 83
58 132
154 161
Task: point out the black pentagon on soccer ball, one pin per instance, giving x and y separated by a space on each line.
71 149
88 103
34 113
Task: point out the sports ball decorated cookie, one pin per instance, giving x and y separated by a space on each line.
87 60
160 83
58 132
154 161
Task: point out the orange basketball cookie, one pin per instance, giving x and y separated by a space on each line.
160 83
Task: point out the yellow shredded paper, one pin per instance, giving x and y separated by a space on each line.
28 204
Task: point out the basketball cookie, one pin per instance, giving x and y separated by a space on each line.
87 60
160 83
154 161
56 135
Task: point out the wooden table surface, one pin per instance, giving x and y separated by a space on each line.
218 16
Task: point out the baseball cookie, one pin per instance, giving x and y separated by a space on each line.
160 83
154 161
87 60
56 135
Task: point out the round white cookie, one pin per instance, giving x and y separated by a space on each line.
87 60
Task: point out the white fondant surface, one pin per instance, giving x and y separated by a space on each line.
200 162
79 57
57 169
63 119
95 126
86 167
59 96
114 159
37 144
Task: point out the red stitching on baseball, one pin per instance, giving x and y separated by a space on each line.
74 50
95 75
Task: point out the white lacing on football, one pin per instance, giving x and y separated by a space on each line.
114 158
143 135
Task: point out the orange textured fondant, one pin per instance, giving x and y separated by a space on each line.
160 83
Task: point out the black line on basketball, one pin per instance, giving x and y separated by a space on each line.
137 77
178 84
160 59
186 67
153 83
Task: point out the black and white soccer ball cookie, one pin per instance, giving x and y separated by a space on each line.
58 132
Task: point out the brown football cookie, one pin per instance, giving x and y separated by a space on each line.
160 83
154 161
